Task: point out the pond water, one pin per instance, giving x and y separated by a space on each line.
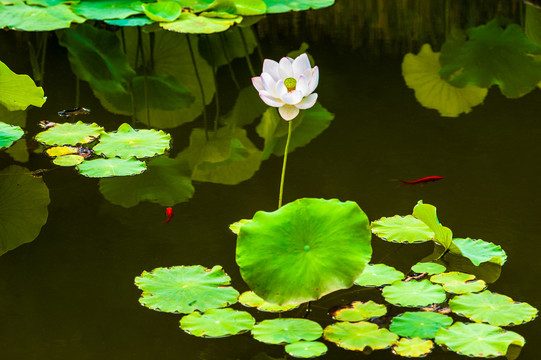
70 293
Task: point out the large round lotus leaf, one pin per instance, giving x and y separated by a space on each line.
359 335
70 134
184 289
23 207
20 16
68 160
193 24
459 283
304 250
421 73
414 347
249 298
280 6
495 309
101 168
9 134
478 340
306 349
479 251
358 311
402 229
163 10
217 323
430 268
127 142
419 324
378 275
414 293
17 92
286 331
105 9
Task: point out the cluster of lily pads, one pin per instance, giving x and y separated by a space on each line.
313 247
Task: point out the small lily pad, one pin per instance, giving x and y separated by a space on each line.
358 311
101 168
70 134
430 268
9 134
184 289
402 229
414 293
68 160
286 331
479 251
217 323
458 283
419 324
193 24
492 308
306 349
414 347
378 275
249 298
357 336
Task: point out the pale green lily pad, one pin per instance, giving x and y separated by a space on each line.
17 92
127 142
130 21
479 251
105 9
184 289
402 229
70 134
419 324
306 349
216 323
427 214
61 150
378 275
193 24
235 227
458 283
492 308
478 340
286 331
357 336
23 207
163 10
430 268
9 134
280 6
250 299
101 168
37 18
414 293
358 311
414 347
68 160
304 250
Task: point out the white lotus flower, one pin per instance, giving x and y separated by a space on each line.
288 85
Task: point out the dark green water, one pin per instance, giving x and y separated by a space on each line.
69 294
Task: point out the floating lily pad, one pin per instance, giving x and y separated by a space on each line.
105 9
9 134
17 92
306 349
419 324
70 134
478 340
479 251
21 16
184 289
358 311
414 293
286 331
127 142
217 323
430 268
249 298
280 6
101 168
304 250
402 229
378 275
459 283
357 336
193 24
163 10
68 160
235 227
495 309
414 347
130 21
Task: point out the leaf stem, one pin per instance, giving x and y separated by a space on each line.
200 86
284 164
246 52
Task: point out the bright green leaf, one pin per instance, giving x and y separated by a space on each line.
458 283
193 24
68 160
427 214
286 331
419 324
9 134
105 9
306 349
358 311
162 10
415 347
217 323
479 251
378 275
37 18
70 134
357 336
414 293
17 92
101 168
280 6
249 298
402 229
428 267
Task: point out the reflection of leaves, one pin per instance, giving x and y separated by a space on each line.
247 108
230 41
17 92
37 18
23 207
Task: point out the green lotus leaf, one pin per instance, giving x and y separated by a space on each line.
357 336
222 48
49 2
184 289
280 6
492 308
286 331
166 182
20 16
402 229
235 227
17 92
70 134
61 150
101 168
9 134
419 324
306 349
127 142
421 73
304 250
250 7
358 311
478 340
430 268
105 9
427 214
68 160
490 56
130 21
378 275
415 347
217 323
193 24
247 108
479 251
532 23
23 207
459 283
163 10
250 299
414 293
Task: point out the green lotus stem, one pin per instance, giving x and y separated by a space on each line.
77 91
246 52
145 79
216 98
226 55
284 165
43 52
123 40
200 86
258 46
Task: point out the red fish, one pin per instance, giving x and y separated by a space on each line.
421 180
169 213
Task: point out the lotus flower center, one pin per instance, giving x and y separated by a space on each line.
290 84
